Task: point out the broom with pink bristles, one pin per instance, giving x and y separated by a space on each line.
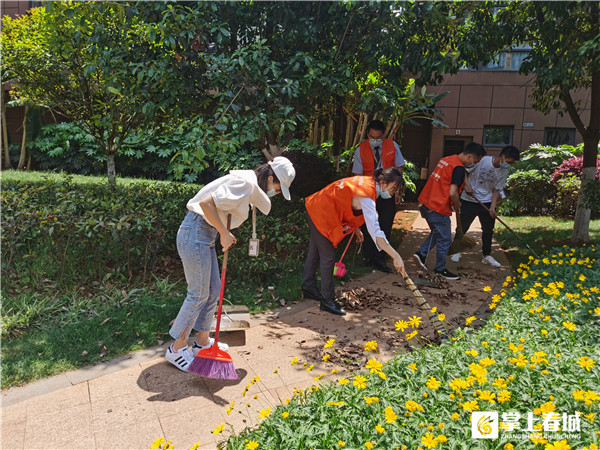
213 362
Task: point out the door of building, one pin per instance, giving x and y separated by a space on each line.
454 145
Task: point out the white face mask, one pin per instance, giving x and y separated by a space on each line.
383 194
375 143
271 192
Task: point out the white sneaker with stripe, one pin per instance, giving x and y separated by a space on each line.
180 359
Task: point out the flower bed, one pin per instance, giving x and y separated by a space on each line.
530 374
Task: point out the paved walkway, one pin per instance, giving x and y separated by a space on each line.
129 402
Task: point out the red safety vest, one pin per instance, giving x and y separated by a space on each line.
331 208
388 156
436 193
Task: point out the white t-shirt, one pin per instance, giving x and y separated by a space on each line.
233 194
484 179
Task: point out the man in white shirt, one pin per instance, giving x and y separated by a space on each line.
486 181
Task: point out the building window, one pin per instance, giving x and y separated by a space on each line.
498 63
497 136
517 57
559 136
509 60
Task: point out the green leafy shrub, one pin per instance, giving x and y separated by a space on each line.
283 235
313 172
592 197
529 192
529 188
67 231
76 230
567 190
65 147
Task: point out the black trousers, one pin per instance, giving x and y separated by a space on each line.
468 212
386 210
321 254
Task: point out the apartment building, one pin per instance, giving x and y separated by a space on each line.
490 104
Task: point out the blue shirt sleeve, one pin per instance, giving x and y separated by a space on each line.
357 167
398 158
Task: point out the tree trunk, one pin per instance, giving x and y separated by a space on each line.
4 140
581 225
111 169
23 154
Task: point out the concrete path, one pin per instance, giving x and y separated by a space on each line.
129 402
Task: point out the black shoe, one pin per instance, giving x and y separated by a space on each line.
447 274
333 307
312 293
382 266
421 260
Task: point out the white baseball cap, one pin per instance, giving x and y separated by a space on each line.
285 172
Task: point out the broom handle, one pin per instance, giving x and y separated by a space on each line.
459 230
424 306
347 245
507 227
222 292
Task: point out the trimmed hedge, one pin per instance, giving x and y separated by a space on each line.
74 229
65 227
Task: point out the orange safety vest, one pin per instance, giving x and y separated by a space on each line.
436 193
331 208
388 156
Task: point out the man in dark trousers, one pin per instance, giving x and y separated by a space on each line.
439 198
372 154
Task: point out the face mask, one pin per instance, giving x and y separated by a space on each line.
271 193
383 194
469 166
375 142
504 165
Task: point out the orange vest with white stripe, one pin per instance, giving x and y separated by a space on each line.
331 208
388 156
436 193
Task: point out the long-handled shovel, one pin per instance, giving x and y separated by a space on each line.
437 324
507 227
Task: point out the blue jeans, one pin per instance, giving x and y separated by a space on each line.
196 246
440 236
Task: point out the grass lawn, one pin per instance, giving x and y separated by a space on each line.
540 233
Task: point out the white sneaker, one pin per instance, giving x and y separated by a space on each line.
455 257
197 347
489 259
180 359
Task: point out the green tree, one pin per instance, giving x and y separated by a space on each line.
280 65
114 68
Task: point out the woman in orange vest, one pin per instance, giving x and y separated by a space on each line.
335 212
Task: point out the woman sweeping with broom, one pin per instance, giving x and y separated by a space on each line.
231 195
336 211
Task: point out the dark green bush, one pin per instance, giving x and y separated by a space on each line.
529 192
313 172
567 189
75 230
58 229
